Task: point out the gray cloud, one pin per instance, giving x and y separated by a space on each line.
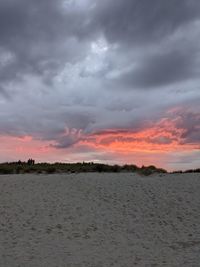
41 36
69 65
38 37
190 122
140 22
157 41
161 69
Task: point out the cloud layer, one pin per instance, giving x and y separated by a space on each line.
91 79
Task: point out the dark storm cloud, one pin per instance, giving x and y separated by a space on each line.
161 69
38 37
142 21
140 25
41 36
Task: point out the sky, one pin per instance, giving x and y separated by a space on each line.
114 81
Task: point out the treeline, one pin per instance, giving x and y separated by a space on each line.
30 167
189 171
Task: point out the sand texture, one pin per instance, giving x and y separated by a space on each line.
99 220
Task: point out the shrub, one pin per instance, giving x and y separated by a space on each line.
99 167
116 168
50 170
146 171
150 170
6 170
19 169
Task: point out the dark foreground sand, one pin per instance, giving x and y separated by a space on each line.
99 220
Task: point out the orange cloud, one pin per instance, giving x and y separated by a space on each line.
170 143
163 136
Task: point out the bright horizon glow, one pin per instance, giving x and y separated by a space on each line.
154 145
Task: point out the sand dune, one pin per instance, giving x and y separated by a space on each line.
99 220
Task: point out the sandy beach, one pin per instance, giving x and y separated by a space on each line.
99 220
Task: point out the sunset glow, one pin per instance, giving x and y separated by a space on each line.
106 81
152 145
